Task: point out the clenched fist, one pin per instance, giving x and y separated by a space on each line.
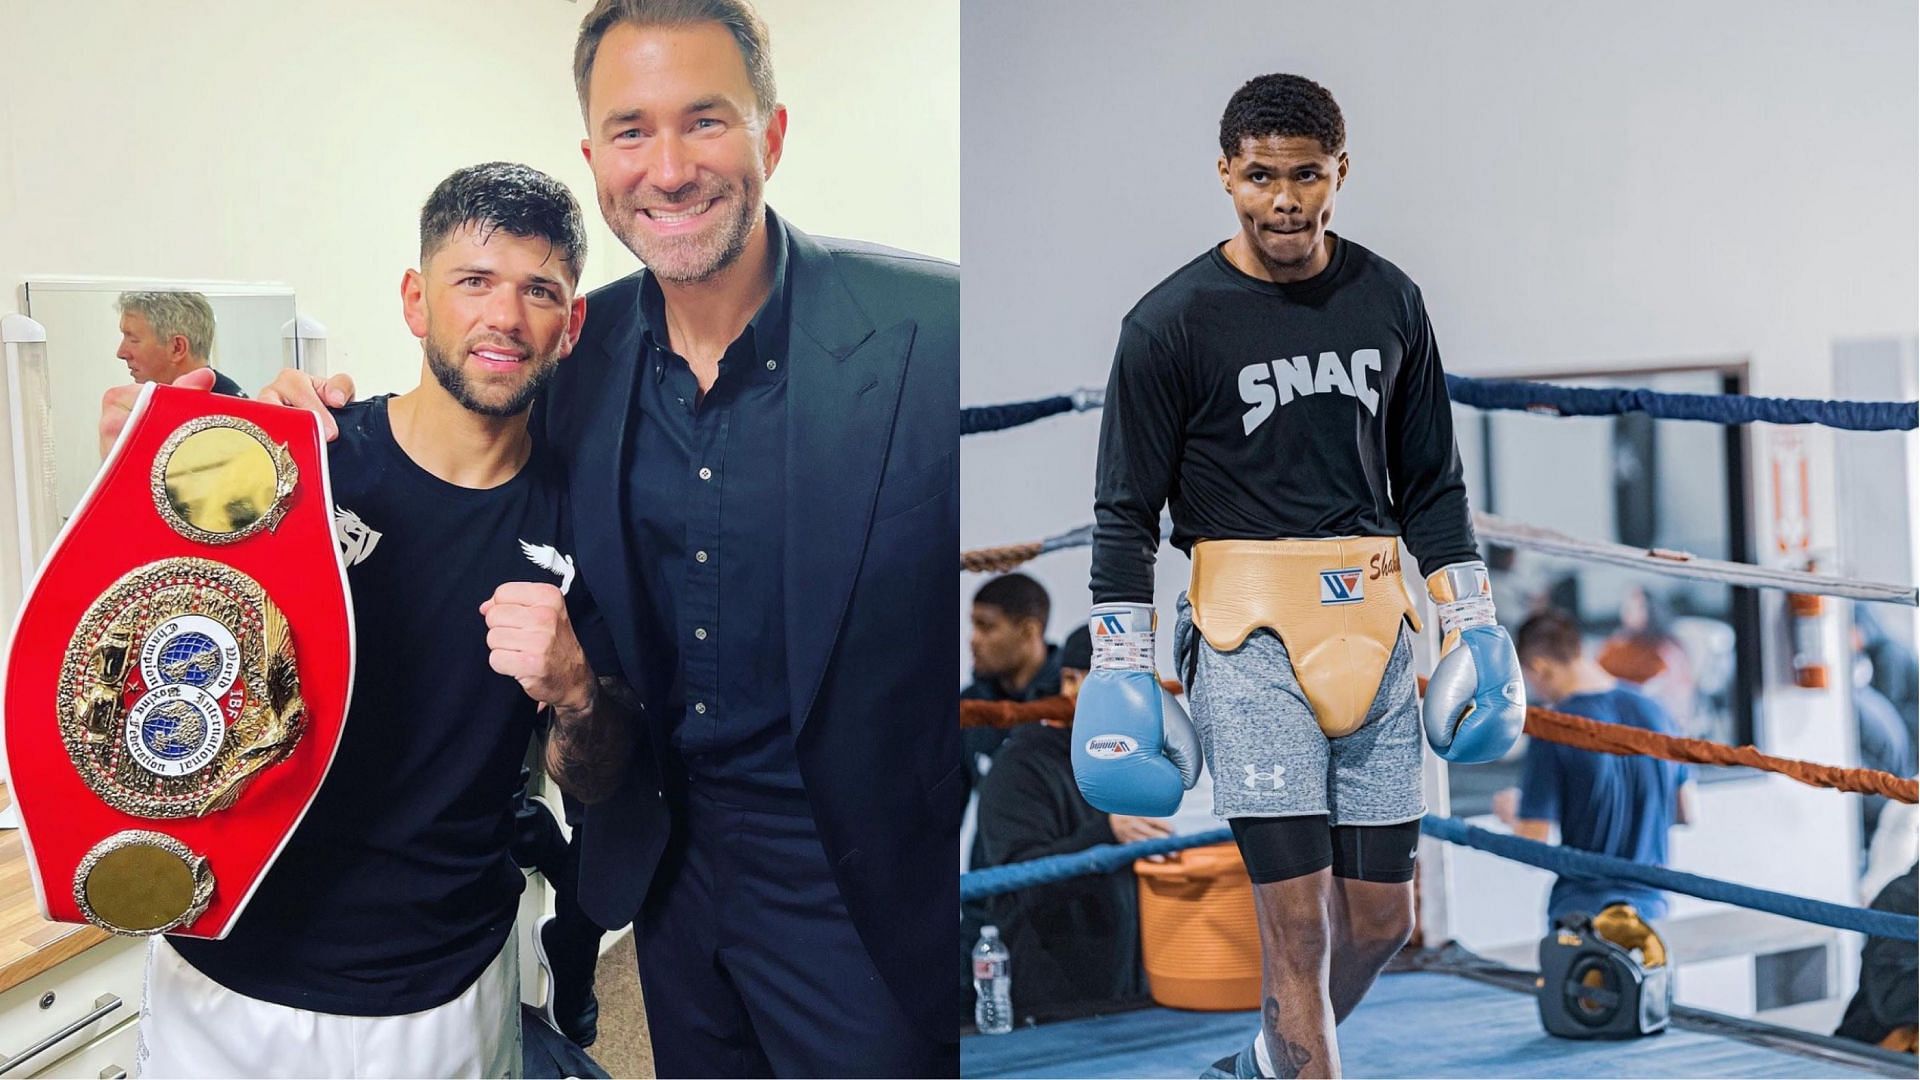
531 639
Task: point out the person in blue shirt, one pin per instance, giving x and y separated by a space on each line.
1607 803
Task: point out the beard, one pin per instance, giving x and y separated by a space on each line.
688 260
453 379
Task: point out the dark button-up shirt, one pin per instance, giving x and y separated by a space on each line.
706 512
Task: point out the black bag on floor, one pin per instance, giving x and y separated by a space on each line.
1604 977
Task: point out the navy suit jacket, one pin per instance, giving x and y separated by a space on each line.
872 539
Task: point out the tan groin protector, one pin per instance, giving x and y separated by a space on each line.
1336 605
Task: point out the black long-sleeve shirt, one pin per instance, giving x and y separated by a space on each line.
1257 411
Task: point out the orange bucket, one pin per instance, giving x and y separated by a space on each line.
1199 937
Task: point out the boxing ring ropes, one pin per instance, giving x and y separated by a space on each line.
1547 399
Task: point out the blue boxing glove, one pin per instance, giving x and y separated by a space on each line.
1476 702
1134 749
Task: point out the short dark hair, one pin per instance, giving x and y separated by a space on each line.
1018 595
1076 652
1551 635
1283 105
502 195
737 16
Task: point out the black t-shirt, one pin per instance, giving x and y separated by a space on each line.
1257 411
396 891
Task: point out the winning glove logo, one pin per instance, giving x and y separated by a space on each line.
1107 625
1108 747
1343 586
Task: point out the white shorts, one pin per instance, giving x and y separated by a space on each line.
193 1026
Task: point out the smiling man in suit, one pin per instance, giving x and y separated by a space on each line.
761 431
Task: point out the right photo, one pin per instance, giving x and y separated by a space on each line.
1438 539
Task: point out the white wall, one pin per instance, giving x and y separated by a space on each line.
1576 187
233 140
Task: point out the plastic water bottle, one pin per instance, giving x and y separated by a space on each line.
992 984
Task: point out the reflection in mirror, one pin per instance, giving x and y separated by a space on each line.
218 479
87 352
1691 646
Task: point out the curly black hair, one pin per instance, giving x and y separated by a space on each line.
1285 105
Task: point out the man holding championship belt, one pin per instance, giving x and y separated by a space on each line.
1283 397
382 942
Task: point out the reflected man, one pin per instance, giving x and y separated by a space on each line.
164 335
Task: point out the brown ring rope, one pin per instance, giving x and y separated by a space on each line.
998 560
1568 730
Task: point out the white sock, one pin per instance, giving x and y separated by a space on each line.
1260 1055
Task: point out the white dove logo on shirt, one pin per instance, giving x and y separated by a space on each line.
548 558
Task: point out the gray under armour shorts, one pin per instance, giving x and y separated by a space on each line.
1267 753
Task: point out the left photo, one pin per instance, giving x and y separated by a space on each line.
485 498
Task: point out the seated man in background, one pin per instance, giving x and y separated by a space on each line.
1011 662
1885 1011
164 335
1074 943
1606 803
1011 658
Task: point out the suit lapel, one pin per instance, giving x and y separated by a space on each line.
607 423
843 388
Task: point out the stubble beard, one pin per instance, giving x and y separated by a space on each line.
689 260
453 379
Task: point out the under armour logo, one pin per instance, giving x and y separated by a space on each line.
1276 777
548 558
356 539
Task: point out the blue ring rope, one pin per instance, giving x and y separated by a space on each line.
983 418
1526 396
1713 408
1106 858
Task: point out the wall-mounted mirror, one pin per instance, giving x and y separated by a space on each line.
255 333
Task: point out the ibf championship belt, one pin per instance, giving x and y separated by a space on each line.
179 670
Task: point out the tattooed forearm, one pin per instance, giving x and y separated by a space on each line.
1290 1059
588 749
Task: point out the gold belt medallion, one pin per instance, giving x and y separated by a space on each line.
139 882
177 688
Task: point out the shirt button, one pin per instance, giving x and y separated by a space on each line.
706 474
771 365
700 707
699 556
700 633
